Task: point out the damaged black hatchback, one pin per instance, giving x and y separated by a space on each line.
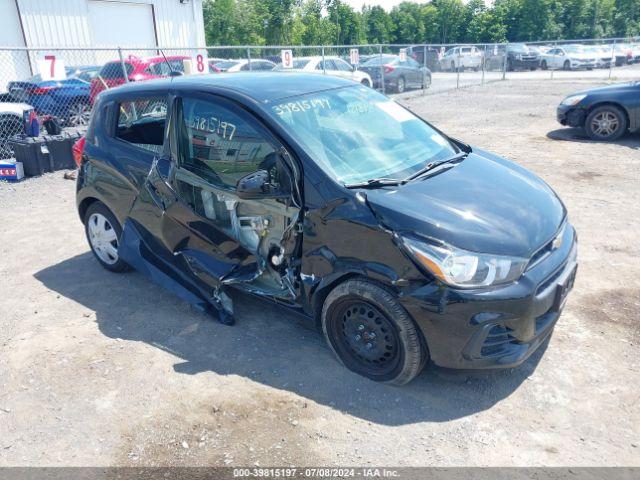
404 245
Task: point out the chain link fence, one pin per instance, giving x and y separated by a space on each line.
56 87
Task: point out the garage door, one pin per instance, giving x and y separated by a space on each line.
121 24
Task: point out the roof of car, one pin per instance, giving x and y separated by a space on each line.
260 86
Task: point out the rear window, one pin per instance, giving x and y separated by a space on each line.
141 123
164 68
114 70
376 61
300 63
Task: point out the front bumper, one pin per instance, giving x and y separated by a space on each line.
495 328
525 64
571 116
575 64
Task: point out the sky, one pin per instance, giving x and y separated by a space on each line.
387 4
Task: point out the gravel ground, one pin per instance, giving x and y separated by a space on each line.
105 369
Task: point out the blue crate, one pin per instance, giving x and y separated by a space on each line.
11 171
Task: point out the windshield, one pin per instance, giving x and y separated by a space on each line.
226 64
574 49
356 134
519 48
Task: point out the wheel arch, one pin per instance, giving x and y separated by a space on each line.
604 103
84 205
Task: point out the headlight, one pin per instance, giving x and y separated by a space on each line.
464 269
518 57
573 100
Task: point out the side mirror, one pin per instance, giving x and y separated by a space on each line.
254 185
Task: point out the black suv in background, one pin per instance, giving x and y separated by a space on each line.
514 56
402 244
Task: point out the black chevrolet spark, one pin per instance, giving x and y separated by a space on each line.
404 245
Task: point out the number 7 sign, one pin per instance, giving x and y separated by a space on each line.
50 67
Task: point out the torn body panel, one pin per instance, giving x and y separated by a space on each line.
344 238
213 239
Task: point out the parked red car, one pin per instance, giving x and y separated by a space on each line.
138 69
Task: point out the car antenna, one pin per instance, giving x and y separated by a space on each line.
172 72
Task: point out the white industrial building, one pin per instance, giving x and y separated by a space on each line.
101 23
46 24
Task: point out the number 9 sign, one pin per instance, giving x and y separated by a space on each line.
287 58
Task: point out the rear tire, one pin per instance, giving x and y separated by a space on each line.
103 234
372 334
401 86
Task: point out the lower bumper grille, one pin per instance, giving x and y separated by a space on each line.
497 337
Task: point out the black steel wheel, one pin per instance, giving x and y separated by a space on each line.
372 334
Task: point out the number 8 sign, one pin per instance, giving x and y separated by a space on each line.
197 64
287 58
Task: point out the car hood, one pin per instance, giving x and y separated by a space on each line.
483 204
616 87
17 108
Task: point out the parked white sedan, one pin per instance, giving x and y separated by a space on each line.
461 58
334 66
569 57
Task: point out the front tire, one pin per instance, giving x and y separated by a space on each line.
9 126
606 123
103 234
372 334
401 86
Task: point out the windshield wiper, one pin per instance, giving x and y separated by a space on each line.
376 182
432 165
385 182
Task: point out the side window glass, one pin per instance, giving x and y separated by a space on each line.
141 123
220 145
342 65
177 65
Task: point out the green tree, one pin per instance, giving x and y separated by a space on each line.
451 20
220 21
349 27
379 26
408 25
